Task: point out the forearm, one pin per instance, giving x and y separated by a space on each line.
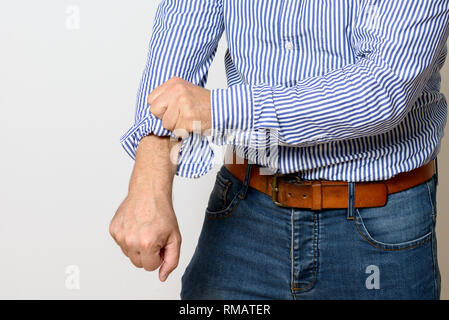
154 168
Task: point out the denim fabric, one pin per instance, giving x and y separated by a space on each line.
251 249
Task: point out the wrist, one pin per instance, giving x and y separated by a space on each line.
151 184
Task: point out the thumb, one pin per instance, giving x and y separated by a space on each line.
170 257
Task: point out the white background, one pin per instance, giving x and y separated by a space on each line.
66 97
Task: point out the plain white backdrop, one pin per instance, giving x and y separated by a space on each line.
69 73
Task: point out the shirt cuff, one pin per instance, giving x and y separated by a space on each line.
195 157
244 115
232 114
149 125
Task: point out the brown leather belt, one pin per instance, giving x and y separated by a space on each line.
289 191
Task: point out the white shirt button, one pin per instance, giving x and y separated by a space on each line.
289 45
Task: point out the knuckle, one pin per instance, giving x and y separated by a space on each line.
179 87
150 267
129 241
125 251
136 264
167 124
155 111
144 244
112 230
178 240
189 114
120 239
184 100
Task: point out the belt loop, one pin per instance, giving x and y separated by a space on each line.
317 196
244 189
351 200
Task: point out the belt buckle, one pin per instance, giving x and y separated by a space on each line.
275 188
316 195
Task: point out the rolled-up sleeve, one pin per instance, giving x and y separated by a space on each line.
183 44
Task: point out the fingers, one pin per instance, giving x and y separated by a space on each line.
151 257
174 84
149 241
170 118
171 258
164 103
124 250
155 93
135 258
115 234
147 251
159 107
168 110
161 97
126 243
181 105
175 112
131 246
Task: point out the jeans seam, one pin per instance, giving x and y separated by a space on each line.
241 194
391 249
217 216
314 268
434 212
292 248
435 266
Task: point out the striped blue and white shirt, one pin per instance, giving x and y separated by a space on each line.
351 88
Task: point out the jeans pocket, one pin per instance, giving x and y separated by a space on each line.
225 195
405 222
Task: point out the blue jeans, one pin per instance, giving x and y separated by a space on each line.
251 249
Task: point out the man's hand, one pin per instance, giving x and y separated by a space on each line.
145 225
179 103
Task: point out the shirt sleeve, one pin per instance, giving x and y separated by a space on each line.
396 44
183 43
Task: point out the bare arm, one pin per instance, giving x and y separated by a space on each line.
145 224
